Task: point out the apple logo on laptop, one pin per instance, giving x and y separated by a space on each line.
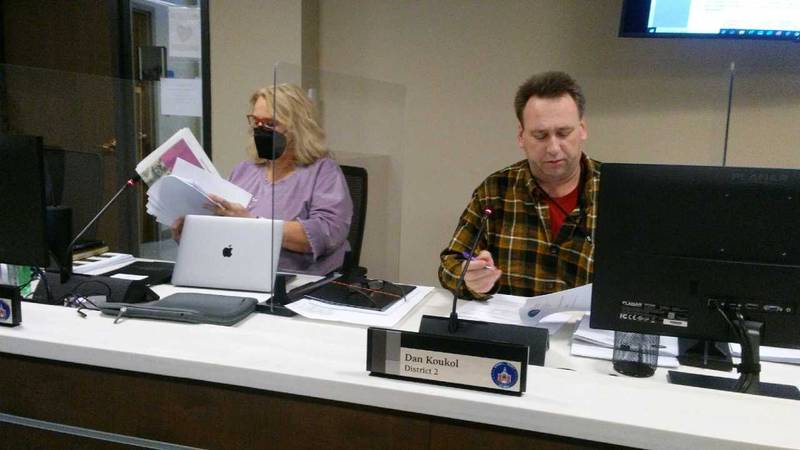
227 251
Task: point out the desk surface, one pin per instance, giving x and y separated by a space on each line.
327 360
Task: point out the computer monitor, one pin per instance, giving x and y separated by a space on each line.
23 238
699 252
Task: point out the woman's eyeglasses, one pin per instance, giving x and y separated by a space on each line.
265 122
373 293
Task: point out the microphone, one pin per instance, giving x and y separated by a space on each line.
54 288
452 326
536 339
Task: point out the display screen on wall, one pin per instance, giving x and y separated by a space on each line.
724 19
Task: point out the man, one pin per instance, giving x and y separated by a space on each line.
538 237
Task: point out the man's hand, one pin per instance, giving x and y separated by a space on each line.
222 207
481 273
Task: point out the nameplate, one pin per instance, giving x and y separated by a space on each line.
467 363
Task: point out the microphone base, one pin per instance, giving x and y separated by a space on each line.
276 305
536 339
116 290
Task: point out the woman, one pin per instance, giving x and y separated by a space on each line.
288 158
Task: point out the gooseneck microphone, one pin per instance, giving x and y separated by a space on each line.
67 271
535 339
453 324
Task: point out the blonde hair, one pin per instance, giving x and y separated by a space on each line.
295 111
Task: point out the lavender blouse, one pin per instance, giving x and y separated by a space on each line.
315 195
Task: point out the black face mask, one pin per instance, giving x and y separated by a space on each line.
270 144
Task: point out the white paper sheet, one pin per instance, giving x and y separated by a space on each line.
605 338
161 161
184 32
579 348
575 299
498 309
181 196
182 97
773 354
510 309
211 184
313 309
99 262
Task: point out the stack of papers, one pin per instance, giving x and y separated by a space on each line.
773 354
313 309
549 311
599 344
97 263
181 179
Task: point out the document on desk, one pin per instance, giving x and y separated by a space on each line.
549 311
599 344
96 264
542 306
314 309
772 354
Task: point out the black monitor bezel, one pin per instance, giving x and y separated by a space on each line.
23 202
663 275
635 14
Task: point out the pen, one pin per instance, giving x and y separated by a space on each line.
472 258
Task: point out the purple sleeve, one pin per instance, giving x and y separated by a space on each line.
330 210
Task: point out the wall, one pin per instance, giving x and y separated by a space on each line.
461 62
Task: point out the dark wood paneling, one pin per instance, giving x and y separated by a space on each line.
72 36
65 82
211 415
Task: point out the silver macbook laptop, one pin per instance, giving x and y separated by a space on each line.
228 253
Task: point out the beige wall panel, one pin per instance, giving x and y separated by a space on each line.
247 38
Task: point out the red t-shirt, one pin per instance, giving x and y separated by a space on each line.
557 216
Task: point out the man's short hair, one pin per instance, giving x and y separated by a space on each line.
549 85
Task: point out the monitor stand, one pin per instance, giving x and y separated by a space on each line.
704 353
750 339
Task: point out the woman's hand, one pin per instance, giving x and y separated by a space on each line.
177 229
222 207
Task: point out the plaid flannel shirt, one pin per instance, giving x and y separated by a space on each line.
518 235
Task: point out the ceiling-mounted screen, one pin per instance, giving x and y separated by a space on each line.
726 19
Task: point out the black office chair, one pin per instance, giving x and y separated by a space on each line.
357 184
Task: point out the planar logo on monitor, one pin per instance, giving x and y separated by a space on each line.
227 252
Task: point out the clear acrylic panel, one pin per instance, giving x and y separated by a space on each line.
168 94
765 110
92 128
86 122
681 120
363 122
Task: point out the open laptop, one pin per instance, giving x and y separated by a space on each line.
228 253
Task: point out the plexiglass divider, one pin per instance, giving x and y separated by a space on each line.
363 122
94 131
86 122
764 116
680 120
